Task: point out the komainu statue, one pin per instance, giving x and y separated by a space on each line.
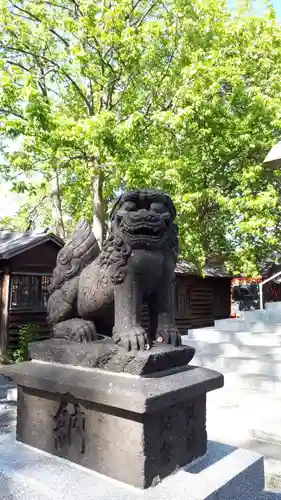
95 292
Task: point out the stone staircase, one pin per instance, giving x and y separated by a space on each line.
247 350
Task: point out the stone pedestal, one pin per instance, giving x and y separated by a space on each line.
134 428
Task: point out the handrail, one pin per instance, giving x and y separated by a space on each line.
263 283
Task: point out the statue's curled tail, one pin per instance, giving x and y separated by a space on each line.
79 251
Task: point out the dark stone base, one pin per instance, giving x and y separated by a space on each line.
106 355
136 449
134 429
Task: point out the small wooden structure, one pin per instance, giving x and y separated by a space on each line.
199 301
27 261
206 298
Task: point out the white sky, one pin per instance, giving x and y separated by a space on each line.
9 202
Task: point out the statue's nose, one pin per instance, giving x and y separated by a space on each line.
140 214
143 212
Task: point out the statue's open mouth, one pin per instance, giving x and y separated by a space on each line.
152 231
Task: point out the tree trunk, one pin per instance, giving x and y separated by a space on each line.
98 208
56 207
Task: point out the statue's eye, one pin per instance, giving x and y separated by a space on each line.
129 206
158 207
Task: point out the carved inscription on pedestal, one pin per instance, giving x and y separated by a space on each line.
190 425
69 425
178 430
166 422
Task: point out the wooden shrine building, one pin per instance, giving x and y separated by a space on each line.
201 300
27 261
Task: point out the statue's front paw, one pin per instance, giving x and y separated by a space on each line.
133 339
84 332
169 335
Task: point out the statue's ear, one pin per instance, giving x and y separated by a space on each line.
115 207
170 204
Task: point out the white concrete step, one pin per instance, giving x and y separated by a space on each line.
243 325
254 381
231 325
241 366
253 316
250 381
235 349
224 473
241 417
213 336
268 317
273 306
263 315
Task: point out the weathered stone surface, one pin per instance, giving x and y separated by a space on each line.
133 448
128 392
105 354
134 429
103 293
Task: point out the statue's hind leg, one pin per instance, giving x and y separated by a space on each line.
61 309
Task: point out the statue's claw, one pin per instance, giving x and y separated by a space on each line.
84 333
76 329
133 340
169 335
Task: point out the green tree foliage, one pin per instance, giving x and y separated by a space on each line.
78 79
178 94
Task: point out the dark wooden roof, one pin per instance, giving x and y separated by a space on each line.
210 271
13 243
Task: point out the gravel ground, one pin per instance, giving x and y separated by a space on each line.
8 406
8 415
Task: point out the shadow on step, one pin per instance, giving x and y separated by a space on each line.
269 495
214 454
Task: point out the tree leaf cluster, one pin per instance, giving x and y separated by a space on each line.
182 95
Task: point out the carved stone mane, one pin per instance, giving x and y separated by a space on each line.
114 255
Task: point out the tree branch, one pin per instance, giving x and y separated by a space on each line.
150 8
12 63
76 4
101 56
91 95
36 18
130 78
162 78
134 6
10 112
54 63
63 7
